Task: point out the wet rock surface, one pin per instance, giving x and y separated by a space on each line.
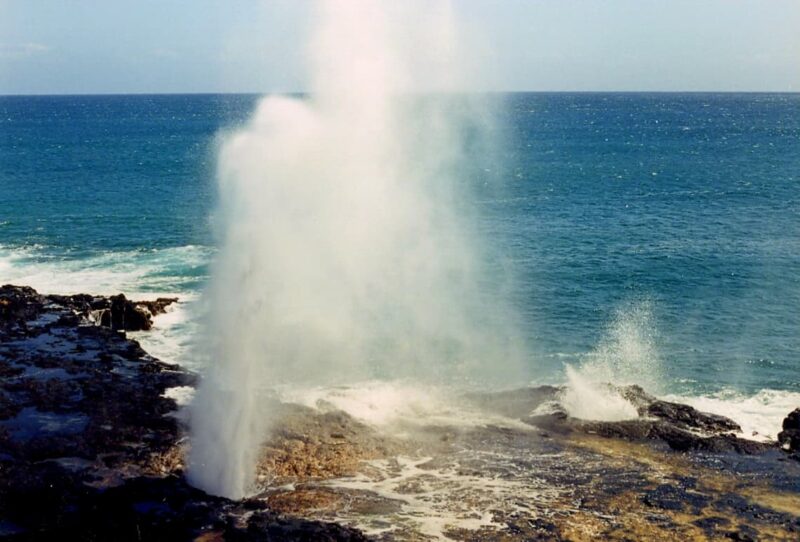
309 444
91 449
538 474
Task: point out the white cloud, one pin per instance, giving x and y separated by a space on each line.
165 53
22 50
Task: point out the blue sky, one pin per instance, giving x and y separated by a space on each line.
133 46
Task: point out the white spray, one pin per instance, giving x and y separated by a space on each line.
626 355
348 250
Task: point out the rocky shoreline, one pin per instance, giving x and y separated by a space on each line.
91 449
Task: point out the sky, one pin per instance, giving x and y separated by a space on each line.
175 46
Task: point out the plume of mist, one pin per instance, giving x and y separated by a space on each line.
626 355
348 246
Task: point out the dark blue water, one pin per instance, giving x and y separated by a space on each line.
687 202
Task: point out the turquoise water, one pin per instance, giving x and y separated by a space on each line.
685 204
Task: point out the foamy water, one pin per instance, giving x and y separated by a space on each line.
435 500
173 334
139 274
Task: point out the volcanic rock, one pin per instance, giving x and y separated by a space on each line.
126 315
680 415
789 438
18 304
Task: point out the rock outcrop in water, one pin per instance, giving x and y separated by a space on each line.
92 449
789 438
119 313
681 427
22 304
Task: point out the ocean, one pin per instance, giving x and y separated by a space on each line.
658 229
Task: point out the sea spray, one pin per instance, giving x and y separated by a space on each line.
348 246
627 354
